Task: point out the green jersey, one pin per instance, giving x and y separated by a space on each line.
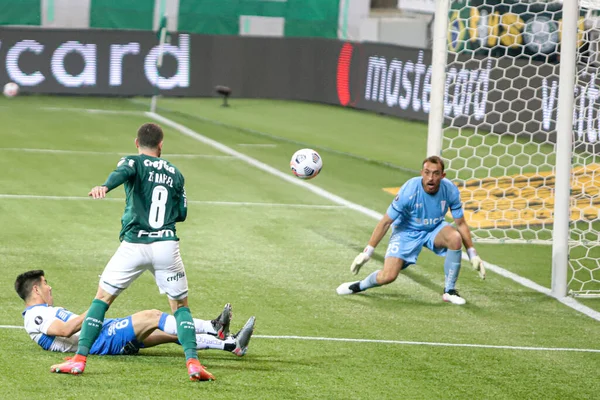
155 198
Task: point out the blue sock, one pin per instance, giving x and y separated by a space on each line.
451 268
162 320
369 282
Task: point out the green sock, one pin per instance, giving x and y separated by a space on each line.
91 327
186 332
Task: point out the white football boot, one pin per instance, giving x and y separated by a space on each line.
348 288
452 296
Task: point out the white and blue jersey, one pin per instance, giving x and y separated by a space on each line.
117 335
419 216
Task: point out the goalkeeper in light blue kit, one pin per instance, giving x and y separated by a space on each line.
417 219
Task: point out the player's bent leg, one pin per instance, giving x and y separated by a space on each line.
391 268
157 337
374 279
145 322
448 237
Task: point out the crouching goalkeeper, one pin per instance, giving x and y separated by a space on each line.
417 219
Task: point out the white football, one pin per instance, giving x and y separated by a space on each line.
306 163
11 89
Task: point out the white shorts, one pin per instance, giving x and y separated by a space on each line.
162 259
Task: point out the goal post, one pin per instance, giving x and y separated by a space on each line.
564 143
439 58
515 113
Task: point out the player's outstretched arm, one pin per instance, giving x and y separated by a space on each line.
66 329
465 234
116 178
378 233
98 192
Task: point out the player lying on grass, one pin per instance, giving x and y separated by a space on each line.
57 329
417 217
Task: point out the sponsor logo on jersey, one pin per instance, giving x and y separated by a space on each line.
159 164
176 277
429 221
38 320
63 314
158 234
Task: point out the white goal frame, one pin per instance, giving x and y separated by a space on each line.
564 127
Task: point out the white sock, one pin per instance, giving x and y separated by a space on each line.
205 342
170 326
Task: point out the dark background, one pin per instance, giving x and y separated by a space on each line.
307 69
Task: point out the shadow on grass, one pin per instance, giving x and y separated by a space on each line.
414 275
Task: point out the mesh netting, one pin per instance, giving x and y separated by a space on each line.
499 133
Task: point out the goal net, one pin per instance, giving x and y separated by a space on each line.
499 130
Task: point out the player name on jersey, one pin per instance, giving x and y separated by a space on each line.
160 178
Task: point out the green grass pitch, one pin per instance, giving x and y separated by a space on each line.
240 244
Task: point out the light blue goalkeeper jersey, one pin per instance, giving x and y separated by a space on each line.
413 209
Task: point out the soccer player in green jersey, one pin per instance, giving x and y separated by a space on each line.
155 201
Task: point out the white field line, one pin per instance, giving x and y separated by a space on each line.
257 144
214 203
93 110
569 302
83 110
109 153
406 342
439 344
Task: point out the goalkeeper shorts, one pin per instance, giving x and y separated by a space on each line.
406 244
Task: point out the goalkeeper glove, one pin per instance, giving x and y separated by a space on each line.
361 259
476 262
